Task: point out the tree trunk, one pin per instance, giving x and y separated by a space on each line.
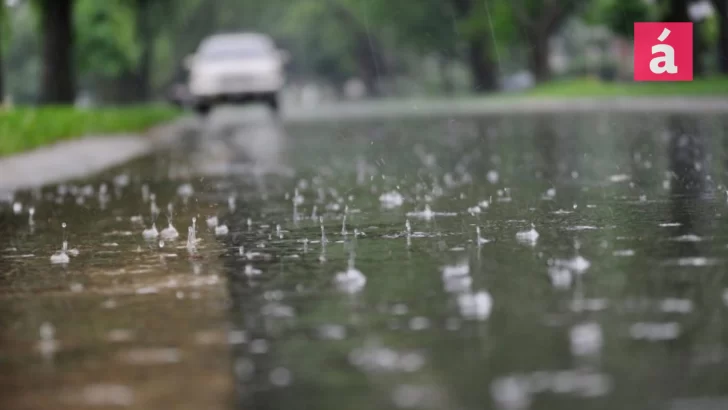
368 52
677 11
371 65
722 52
448 88
2 69
698 50
58 85
721 8
481 66
539 58
146 40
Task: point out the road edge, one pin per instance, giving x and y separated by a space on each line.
511 106
80 157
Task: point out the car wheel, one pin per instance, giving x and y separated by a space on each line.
203 109
272 101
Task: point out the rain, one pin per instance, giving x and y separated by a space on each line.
340 246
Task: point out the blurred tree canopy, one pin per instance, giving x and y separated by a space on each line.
126 51
4 32
620 15
721 8
107 45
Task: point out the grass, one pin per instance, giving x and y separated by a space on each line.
584 88
705 87
26 128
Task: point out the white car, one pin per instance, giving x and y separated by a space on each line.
236 68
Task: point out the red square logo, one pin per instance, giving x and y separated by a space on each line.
663 51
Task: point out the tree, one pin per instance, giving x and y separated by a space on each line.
538 20
721 9
145 36
149 18
107 52
367 49
424 29
332 39
620 15
58 81
22 55
677 11
189 21
480 58
3 25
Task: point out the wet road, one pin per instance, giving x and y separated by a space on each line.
571 261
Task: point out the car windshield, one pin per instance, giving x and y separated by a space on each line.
224 53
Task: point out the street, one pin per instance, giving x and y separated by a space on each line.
563 260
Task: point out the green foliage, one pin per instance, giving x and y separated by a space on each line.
326 48
492 18
22 54
106 44
620 15
710 28
4 26
429 27
495 19
324 37
27 128
593 88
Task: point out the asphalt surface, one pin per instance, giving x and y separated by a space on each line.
562 259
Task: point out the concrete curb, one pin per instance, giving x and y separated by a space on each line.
506 106
81 157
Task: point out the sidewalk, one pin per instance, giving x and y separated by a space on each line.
80 157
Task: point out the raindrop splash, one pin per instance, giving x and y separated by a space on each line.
528 237
61 257
475 306
212 222
145 193
191 238
151 233
153 208
48 344
221 230
408 227
343 224
479 239
170 232
323 232
297 197
352 280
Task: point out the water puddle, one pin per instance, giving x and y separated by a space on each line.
418 272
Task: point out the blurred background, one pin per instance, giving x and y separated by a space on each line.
598 282
91 52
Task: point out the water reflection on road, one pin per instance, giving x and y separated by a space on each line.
353 274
